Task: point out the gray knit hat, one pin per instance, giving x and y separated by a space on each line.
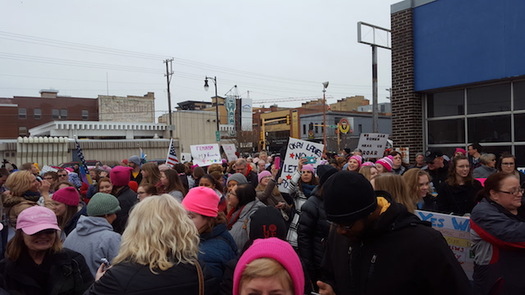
241 179
135 159
102 204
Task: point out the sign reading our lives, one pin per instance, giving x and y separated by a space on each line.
205 154
456 231
298 149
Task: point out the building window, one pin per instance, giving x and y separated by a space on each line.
22 113
22 131
37 113
304 129
519 96
449 103
55 113
489 129
446 131
85 114
494 98
63 114
316 128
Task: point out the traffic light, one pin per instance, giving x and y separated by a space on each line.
287 119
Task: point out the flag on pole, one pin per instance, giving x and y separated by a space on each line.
172 155
143 156
83 169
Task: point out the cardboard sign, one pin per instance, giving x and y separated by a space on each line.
456 230
405 154
205 154
185 157
372 144
229 150
298 149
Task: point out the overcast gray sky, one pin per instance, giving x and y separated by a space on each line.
273 50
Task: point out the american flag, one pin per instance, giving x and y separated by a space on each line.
172 155
84 175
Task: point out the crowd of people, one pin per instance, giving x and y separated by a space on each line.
345 225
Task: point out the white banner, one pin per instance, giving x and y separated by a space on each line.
185 157
298 149
229 150
372 144
205 154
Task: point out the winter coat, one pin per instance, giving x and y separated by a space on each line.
133 278
400 254
457 199
498 243
312 231
252 178
13 205
216 248
64 272
483 171
269 195
94 238
299 198
127 198
241 228
72 224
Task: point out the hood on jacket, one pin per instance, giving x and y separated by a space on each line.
87 225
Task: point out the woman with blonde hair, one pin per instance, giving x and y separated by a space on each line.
396 187
158 253
150 173
23 193
418 185
369 172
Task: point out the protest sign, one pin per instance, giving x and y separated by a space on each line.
298 149
185 157
205 154
372 144
229 150
456 230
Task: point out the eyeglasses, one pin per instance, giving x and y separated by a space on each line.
45 232
508 164
48 178
62 175
515 192
306 171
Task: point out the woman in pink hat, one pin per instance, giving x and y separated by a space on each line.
216 246
35 261
302 184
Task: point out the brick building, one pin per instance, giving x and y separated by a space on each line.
21 113
458 75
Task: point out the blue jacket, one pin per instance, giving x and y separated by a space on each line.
216 249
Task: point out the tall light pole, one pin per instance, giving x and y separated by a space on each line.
325 85
169 73
206 87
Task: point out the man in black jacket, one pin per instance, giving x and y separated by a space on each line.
391 251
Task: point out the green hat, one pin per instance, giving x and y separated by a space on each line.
102 204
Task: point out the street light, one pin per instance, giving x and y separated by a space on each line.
206 87
325 85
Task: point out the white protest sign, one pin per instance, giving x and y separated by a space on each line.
298 149
229 150
205 154
185 157
405 154
456 230
47 168
372 144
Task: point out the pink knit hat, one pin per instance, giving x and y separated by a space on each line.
358 158
386 162
308 167
36 218
263 174
202 200
67 195
278 250
460 150
120 175
368 163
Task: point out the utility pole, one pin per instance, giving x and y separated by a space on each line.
169 73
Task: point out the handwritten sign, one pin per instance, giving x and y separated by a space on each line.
456 230
372 144
185 157
205 154
229 150
298 149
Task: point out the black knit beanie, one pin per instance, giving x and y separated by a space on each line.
348 197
